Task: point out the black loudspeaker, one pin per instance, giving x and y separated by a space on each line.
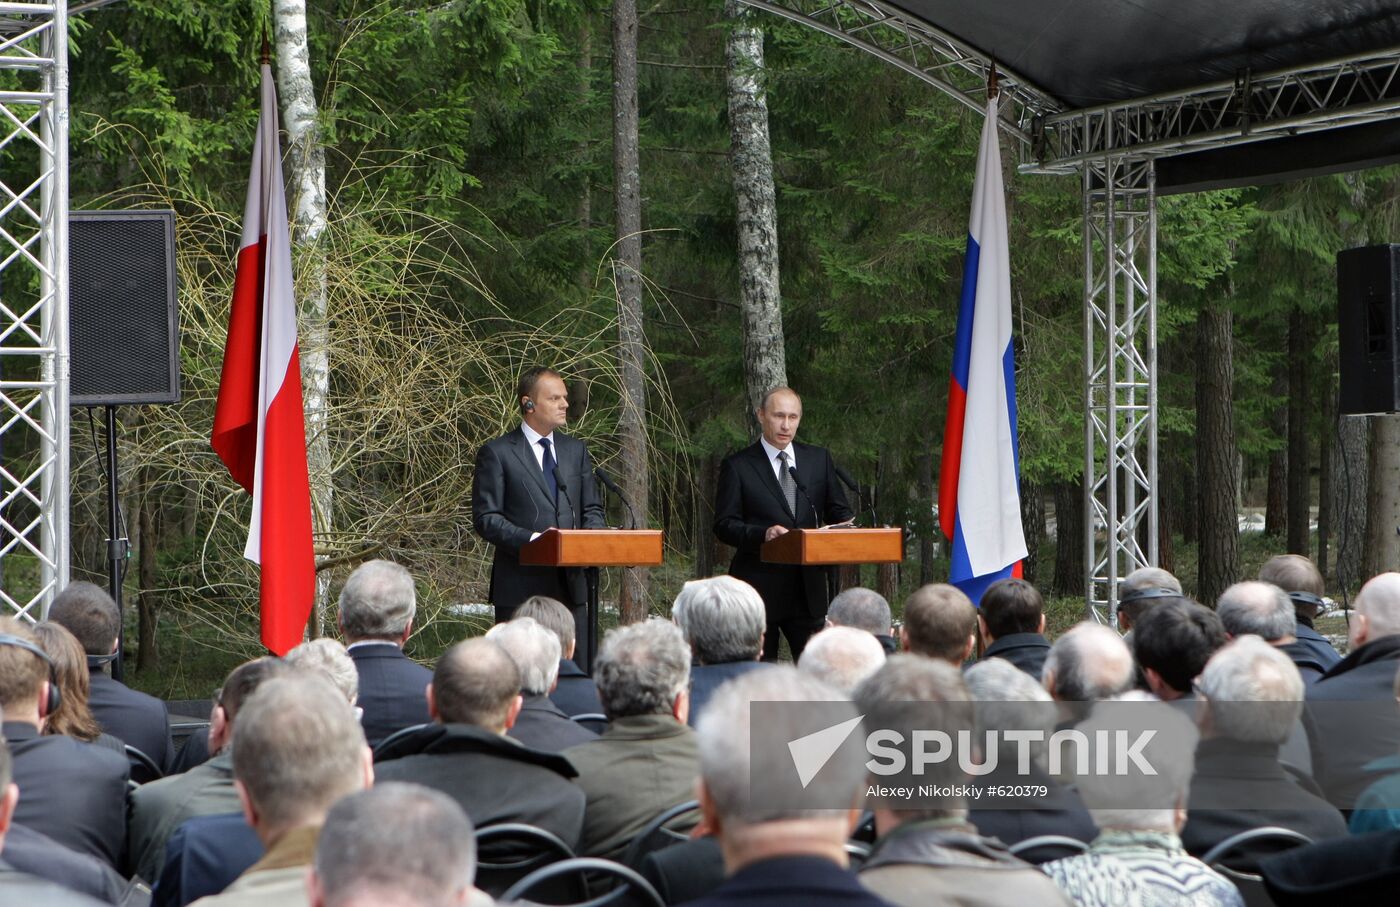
1368 318
123 332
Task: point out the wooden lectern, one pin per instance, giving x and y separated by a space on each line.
822 547
591 549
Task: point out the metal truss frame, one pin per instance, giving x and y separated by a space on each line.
34 412
1120 376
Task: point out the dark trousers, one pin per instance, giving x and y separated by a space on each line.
797 630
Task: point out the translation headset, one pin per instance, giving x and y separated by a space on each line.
1307 598
55 697
528 405
1138 595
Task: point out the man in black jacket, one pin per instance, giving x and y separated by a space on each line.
1011 619
540 725
758 498
1300 578
575 693
529 481
474 699
1253 697
376 613
73 792
1351 716
135 718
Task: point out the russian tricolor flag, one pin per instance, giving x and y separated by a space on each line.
979 498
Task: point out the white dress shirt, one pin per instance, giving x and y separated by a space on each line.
534 438
773 460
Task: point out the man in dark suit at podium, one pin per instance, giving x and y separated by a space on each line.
758 498
527 482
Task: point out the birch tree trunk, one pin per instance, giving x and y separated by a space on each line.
755 203
627 275
306 165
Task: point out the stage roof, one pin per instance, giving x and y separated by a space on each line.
1092 53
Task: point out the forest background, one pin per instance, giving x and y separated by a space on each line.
477 213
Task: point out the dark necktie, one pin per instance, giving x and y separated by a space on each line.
786 481
548 463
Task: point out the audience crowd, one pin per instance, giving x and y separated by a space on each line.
348 775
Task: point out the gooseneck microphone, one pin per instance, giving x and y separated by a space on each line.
564 490
792 471
610 485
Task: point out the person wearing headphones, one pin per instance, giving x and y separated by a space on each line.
1299 577
528 481
74 792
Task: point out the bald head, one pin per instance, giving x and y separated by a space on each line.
1257 609
842 656
1378 610
476 682
1087 664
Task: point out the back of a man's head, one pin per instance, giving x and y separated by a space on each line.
378 602
1011 606
1175 640
1149 792
939 622
88 612
1088 663
396 843
1142 590
1292 573
864 609
908 695
534 650
722 619
22 672
1256 608
642 668
299 748
477 683
328 656
732 764
1378 610
551 614
1254 691
842 657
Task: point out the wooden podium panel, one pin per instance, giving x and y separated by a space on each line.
835 546
594 548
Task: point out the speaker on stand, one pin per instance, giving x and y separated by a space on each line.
124 345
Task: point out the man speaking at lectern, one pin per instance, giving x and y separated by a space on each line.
528 481
758 498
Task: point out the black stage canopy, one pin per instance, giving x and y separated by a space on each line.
1091 53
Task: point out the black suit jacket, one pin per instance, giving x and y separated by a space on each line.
685 871
511 502
576 693
492 777
71 791
1026 651
1230 774
542 726
39 855
792 882
133 717
1360 688
748 500
393 690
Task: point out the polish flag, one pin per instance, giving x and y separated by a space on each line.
259 430
979 496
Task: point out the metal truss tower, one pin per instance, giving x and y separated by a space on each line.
34 413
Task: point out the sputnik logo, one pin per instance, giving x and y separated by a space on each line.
812 752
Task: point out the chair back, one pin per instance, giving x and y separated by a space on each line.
143 767
596 722
1248 846
1044 848
510 851
628 888
658 833
382 746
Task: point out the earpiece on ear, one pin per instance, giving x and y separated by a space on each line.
529 405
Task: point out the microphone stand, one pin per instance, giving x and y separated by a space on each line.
590 578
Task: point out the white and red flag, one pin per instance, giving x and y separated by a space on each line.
979 495
259 428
